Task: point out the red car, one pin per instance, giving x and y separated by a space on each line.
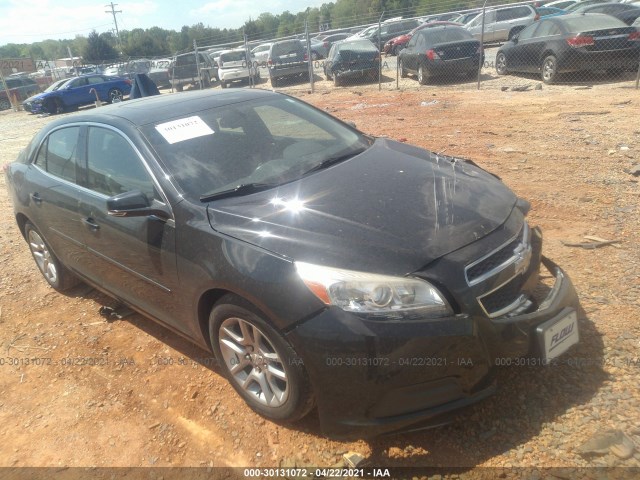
393 46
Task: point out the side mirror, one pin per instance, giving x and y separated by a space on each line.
134 204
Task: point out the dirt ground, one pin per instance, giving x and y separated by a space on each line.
79 391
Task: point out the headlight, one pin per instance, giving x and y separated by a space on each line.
373 294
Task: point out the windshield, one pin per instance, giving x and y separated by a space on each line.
56 85
268 141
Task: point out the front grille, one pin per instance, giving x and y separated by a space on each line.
507 265
503 299
492 262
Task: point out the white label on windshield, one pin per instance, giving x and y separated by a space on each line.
184 129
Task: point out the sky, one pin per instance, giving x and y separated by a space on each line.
28 21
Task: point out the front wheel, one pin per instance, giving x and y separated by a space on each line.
56 275
501 64
115 95
258 362
549 69
53 106
5 104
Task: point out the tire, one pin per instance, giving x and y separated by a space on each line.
115 95
179 88
422 78
223 85
5 104
258 362
274 82
206 81
56 275
501 64
403 72
53 106
549 69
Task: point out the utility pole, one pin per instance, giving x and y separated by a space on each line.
113 12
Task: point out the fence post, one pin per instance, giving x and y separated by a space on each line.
481 43
638 76
309 56
195 48
247 56
380 50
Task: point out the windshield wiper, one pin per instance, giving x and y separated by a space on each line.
333 160
244 189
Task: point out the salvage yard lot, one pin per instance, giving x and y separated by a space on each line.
130 393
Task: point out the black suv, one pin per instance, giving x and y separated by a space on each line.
287 58
21 87
184 70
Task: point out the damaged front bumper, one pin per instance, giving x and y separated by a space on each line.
374 377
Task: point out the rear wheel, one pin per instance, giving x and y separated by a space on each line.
549 69
258 362
5 104
422 75
56 275
501 64
403 72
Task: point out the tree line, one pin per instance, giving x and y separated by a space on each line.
157 41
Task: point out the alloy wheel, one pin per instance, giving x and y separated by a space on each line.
253 362
42 257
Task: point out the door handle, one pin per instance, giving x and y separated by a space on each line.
91 224
36 198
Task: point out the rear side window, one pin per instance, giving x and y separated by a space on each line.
58 155
547 29
512 13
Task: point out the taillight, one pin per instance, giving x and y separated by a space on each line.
634 37
432 55
578 41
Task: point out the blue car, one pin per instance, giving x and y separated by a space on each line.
75 92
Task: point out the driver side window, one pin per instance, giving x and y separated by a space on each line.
113 166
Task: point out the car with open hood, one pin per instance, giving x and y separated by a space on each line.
323 267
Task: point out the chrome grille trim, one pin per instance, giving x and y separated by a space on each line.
520 253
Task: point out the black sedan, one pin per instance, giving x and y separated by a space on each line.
622 11
571 43
352 58
323 267
440 51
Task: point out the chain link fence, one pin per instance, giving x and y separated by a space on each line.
515 45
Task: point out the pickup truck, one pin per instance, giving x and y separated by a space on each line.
184 70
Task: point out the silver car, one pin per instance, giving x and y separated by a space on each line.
500 24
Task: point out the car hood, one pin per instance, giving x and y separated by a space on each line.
392 209
37 96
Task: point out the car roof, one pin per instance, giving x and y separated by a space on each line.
159 108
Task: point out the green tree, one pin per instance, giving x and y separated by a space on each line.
98 49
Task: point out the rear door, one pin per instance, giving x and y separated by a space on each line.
51 182
534 41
